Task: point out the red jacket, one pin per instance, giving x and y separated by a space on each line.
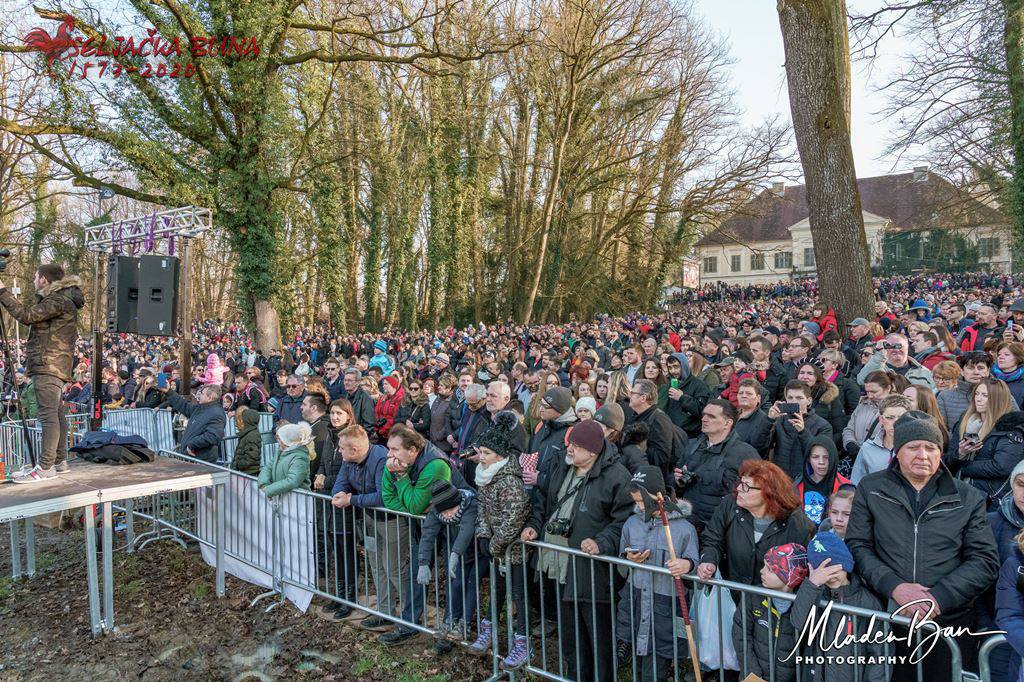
734 386
386 409
935 358
840 480
826 322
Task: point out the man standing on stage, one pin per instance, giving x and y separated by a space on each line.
49 354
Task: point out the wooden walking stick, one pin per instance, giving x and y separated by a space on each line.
680 590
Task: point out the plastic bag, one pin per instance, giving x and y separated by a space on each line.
709 621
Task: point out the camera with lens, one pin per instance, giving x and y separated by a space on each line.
686 477
4 255
558 527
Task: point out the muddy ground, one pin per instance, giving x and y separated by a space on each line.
172 627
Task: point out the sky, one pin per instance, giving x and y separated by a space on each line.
751 31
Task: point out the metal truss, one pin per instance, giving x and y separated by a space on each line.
146 231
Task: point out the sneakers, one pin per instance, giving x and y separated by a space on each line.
397 636
375 623
483 640
62 467
518 656
34 475
456 631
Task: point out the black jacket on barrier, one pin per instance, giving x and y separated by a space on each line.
728 540
947 546
789 445
601 507
205 428
665 442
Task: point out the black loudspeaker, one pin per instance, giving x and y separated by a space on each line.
123 294
158 296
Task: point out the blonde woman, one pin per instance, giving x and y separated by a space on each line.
985 446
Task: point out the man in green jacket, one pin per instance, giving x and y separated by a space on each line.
413 465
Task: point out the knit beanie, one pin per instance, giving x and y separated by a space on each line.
587 435
393 380
828 545
587 403
499 436
915 425
380 345
444 496
559 398
1017 471
788 562
611 415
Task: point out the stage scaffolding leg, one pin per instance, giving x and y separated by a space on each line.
30 548
15 527
92 573
220 499
108 568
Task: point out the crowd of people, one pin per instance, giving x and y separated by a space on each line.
879 464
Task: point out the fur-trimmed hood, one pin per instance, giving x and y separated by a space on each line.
1011 421
825 392
72 282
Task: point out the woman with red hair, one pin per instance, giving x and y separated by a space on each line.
763 512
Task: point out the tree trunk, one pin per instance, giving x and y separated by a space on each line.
1013 33
812 33
268 325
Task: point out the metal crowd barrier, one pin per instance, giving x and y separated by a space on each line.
368 559
230 441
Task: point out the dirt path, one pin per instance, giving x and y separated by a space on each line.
172 627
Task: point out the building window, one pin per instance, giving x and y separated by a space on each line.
711 264
735 263
809 257
757 261
784 260
988 247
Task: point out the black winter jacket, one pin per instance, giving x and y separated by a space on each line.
205 427
989 470
728 540
756 431
440 427
548 441
715 469
600 510
789 445
765 630
686 411
948 547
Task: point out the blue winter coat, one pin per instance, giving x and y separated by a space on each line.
1006 521
1010 610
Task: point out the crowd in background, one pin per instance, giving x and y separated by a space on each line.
878 464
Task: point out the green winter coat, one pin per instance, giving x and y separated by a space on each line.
285 472
250 444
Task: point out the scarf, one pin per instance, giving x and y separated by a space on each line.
484 475
1007 376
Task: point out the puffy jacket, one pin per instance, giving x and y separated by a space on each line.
285 472
289 409
632 447
933 356
1006 522
503 508
755 641
249 451
953 402
862 426
363 479
418 414
948 547
728 540
1010 610
989 470
916 374
775 381
789 445
715 469
849 392
872 457
829 406
386 411
363 409
600 509
685 412
53 326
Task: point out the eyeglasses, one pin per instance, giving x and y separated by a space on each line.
745 487
332 369
414 388
294 385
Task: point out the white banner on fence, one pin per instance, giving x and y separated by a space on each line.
249 537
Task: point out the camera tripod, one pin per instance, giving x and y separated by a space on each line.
12 367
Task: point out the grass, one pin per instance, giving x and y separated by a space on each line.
375 656
6 584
